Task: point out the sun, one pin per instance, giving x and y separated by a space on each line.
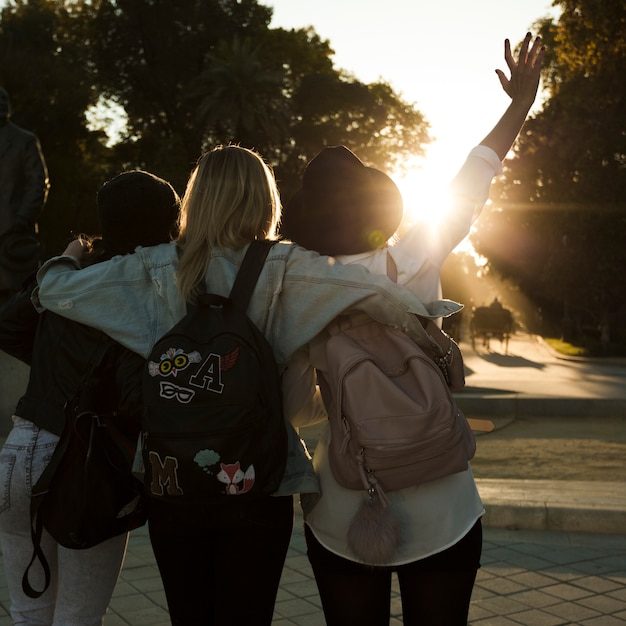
424 186
425 189
425 196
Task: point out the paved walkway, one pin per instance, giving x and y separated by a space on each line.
567 564
527 577
532 380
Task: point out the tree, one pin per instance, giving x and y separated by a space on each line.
149 55
371 120
45 66
567 181
212 71
188 75
241 97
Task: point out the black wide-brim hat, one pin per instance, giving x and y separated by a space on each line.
343 207
20 252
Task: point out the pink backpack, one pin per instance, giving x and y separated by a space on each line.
394 422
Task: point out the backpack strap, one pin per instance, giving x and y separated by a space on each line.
36 522
449 352
392 273
392 268
249 272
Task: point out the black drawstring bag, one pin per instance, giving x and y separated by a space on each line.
87 492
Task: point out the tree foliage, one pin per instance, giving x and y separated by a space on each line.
188 74
44 65
561 229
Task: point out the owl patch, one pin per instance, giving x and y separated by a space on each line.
173 361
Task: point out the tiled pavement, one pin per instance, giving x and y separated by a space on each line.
530 578
543 577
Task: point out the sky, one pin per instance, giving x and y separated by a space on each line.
440 55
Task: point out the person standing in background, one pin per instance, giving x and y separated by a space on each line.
24 186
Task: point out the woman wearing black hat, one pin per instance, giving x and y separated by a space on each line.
351 211
135 208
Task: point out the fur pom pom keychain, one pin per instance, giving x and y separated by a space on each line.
375 532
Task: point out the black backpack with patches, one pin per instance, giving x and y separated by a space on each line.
213 422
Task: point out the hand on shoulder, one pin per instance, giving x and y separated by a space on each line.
76 248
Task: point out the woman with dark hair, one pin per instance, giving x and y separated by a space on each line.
351 211
134 208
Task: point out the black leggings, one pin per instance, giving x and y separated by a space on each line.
435 591
222 566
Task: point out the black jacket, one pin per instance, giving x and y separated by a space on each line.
62 355
24 188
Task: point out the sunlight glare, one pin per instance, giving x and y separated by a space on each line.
425 195
425 189
108 116
424 185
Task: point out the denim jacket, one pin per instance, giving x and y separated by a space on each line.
135 300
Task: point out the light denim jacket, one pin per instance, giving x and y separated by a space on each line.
135 300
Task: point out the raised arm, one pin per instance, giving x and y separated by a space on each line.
522 88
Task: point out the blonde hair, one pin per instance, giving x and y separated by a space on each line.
231 199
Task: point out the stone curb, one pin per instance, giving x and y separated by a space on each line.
519 405
570 506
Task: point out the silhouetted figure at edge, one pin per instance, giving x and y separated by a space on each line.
24 188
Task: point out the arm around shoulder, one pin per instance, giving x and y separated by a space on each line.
317 289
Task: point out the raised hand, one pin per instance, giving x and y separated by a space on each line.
522 88
525 74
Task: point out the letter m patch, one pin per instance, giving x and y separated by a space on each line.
164 475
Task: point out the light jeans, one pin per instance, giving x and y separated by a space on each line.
82 581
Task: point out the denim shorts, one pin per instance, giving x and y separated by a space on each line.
82 581
24 456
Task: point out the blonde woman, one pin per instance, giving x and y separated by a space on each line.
224 566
